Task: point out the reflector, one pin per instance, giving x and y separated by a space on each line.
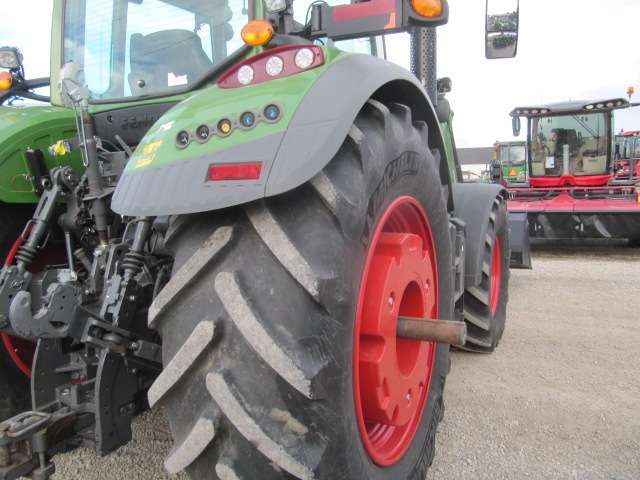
249 171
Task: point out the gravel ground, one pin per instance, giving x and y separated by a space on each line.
559 399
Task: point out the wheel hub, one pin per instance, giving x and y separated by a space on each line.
392 374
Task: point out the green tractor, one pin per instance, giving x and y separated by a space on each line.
240 211
508 165
511 156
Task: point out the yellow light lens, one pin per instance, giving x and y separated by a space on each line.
428 8
5 80
257 32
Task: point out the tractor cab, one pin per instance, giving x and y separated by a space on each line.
512 158
150 48
627 156
570 143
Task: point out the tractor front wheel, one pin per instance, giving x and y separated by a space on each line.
485 304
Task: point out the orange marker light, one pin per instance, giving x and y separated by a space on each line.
428 8
257 32
5 80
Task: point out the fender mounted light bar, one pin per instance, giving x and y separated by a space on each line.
376 17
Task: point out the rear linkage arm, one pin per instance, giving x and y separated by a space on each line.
113 354
26 441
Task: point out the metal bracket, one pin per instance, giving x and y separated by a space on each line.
29 439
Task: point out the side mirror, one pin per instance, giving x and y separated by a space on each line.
501 28
515 125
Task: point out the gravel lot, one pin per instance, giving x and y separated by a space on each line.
559 399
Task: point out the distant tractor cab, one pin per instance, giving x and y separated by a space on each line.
573 190
627 156
512 158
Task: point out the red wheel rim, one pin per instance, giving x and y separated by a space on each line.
392 375
21 351
496 275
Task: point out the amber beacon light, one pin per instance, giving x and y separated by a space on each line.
427 8
5 80
257 32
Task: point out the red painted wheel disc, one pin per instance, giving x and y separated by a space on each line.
496 275
392 375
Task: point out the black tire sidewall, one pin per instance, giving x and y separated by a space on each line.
501 230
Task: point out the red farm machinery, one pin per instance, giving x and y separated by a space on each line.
574 189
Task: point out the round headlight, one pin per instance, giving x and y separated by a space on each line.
274 66
245 75
304 58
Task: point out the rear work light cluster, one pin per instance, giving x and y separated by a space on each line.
607 104
531 111
247 120
276 63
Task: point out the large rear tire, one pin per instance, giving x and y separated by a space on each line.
279 321
15 354
485 304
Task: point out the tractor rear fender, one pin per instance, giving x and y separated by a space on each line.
290 157
324 117
473 202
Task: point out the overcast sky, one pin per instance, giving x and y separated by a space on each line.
567 49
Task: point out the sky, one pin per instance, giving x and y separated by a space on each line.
567 50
